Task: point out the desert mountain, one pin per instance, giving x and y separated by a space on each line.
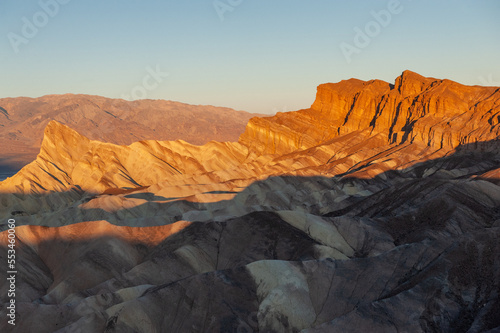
439 114
377 209
22 122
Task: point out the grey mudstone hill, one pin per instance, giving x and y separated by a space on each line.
376 210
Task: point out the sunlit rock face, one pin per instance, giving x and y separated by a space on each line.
22 122
436 113
376 210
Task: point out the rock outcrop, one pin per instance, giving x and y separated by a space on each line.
377 209
436 113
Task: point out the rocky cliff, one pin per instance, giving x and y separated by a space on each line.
436 113
377 210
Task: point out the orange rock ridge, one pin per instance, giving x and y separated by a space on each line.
436 113
389 192
353 127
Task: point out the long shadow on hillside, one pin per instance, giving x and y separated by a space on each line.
444 214
412 204
200 271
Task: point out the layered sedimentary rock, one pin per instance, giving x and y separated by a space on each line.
377 209
437 113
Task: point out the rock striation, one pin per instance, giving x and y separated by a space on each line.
377 209
436 113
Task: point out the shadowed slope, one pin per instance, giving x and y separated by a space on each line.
293 269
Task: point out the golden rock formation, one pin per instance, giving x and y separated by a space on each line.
324 219
437 113
22 122
353 127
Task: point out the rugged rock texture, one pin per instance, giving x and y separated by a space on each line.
22 122
376 210
436 113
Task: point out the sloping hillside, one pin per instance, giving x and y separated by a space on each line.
22 122
376 210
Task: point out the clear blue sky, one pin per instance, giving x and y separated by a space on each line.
264 56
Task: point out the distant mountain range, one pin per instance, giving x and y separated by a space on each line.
375 210
22 121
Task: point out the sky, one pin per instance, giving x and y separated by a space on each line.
254 55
